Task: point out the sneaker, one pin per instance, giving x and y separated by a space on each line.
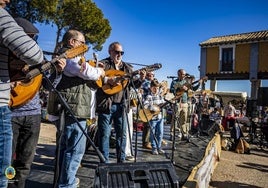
180 136
160 151
77 182
147 146
130 158
155 152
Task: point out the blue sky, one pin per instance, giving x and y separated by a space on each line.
169 32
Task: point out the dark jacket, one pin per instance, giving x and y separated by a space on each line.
105 101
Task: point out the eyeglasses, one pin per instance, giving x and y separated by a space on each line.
82 42
119 52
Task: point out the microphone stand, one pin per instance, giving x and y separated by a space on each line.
175 123
67 108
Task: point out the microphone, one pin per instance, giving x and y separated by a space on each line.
172 77
189 76
95 56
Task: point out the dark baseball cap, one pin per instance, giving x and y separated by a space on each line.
27 26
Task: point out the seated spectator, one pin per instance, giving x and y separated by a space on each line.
229 116
215 115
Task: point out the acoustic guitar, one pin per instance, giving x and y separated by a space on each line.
122 78
22 89
146 115
189 85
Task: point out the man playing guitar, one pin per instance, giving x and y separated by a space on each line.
113 107
181 87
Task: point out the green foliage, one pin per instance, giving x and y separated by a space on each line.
82 15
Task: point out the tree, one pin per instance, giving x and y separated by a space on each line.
82 15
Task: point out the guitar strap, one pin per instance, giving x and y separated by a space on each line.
15 66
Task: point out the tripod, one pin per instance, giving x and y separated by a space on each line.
66 108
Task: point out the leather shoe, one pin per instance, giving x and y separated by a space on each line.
147 146
130 158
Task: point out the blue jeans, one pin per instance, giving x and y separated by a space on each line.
72 149
104 130
157 131
5 143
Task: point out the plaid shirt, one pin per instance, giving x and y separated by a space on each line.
151 101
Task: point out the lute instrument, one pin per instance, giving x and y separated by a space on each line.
189 85
122 78
22 89
146 114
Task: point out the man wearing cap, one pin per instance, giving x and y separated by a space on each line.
151 102
12 38
26 121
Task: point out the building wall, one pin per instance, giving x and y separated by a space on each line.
242 58
263 56
212 60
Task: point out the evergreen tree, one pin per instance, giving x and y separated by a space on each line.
82 15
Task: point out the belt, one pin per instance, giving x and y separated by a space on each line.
116 103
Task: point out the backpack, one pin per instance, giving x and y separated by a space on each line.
242 147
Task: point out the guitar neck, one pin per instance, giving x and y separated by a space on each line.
169 101
71 53
54 60
203 79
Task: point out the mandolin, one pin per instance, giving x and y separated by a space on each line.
22 89
122 78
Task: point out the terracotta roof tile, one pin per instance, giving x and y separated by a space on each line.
237 38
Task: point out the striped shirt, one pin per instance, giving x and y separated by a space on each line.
13 38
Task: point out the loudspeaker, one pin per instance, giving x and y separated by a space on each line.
262 96
136 175
252 110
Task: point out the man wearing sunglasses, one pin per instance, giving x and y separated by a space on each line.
114 108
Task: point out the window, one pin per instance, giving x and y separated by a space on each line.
227 58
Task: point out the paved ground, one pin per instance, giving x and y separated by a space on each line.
234 170
242 170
